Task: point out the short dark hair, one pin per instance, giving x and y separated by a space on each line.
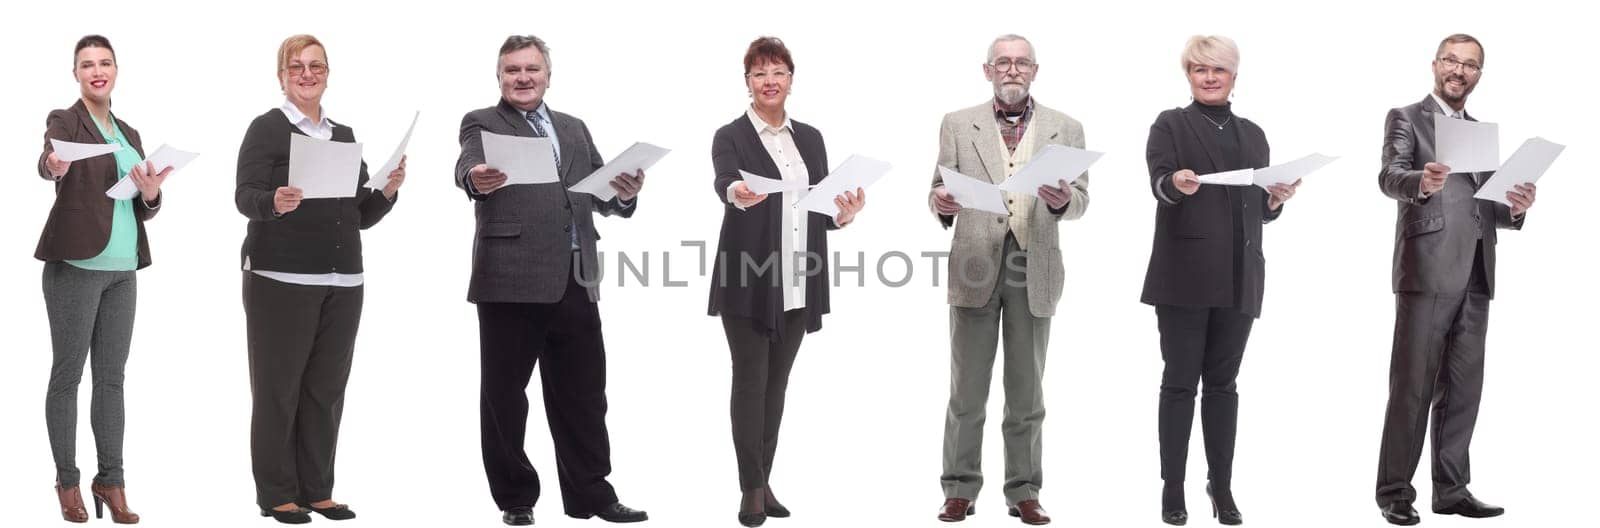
767 49
92 41
1461 38
520 42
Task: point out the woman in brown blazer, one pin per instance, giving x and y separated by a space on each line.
91 246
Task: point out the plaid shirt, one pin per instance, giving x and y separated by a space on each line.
1011 129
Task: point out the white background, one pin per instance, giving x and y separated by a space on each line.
861 441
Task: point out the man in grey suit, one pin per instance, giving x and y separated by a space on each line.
1443 280
1005 271
534 280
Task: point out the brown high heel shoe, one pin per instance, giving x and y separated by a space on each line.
71 504
115 498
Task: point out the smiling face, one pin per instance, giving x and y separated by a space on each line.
1210 85
769 83
1011 83
1456 70
524 77
305 76
96 71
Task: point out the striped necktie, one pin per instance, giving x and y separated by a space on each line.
538 131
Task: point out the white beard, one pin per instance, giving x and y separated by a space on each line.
1011 95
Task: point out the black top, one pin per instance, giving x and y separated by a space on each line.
322 235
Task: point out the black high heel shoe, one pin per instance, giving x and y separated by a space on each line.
1223 507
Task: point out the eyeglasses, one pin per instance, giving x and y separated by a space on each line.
1021 65
1451 63
317 68
775 75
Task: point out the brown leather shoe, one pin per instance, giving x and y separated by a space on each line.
71 504
1030 512
115 498
956 510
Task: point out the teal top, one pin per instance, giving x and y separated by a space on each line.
122 249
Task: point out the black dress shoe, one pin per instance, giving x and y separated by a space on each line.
1223 507
1175 517
518 516
1471 507
616 513
1401 513
339 512
295 516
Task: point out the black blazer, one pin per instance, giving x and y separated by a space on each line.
753 233
322 235
80 220
1193 255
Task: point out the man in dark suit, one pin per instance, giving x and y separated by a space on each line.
534 280
1443 280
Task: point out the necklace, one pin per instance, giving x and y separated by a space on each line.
1214 122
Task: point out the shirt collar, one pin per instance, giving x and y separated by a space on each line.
762 126
296 117
543 112
1000 114
1445 107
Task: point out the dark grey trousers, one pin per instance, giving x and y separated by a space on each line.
91 318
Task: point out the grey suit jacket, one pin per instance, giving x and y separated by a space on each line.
1435 238
969 143
522 249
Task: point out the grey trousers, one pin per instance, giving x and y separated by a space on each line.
91 318
974 335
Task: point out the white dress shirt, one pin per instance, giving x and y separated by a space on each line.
322 130
779 142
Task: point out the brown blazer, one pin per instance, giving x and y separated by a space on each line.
80 221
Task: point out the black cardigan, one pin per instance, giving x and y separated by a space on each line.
322 235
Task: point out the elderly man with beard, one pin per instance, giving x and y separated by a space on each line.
1443 280
1005 270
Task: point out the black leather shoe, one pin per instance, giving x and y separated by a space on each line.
1223 507
1471 507
616 513
1175 517
1401 513
295 516
339 512
518 516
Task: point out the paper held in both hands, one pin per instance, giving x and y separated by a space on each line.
379 179
165 156
1284 173
1526 165
972 193
857 172
323 169
1470 146
639 157
524 160
1056 163
69 151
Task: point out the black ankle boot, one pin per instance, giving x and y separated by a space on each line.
1222 505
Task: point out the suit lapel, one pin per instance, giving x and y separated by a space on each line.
1197 123
747 130
1043 129
568 133
986 141
90 128
1425 133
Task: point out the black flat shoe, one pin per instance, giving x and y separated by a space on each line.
1401 513
752 519
1223 508
338 512
776 510
295 516
1175 517
1471 507
518 516
616 513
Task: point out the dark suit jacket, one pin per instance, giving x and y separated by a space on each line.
1435 238
522 250
1192 259
747 290
80 220
322 235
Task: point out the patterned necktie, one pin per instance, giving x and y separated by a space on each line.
538 131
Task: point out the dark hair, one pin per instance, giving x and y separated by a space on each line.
92 41
1461 38
767 49
520 42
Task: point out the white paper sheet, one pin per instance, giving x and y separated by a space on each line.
164 156
856 172
379 179
1233 177
640 156
765 185
69 151
1465 146
323 169
1288 172
1526 165
1049 167
524 160
974 194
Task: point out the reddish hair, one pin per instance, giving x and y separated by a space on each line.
767 50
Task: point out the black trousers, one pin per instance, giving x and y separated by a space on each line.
301 342
1437 361
1200 344
565 337
760 379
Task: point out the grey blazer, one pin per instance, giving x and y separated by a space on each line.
969 143
522 249
1435 237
